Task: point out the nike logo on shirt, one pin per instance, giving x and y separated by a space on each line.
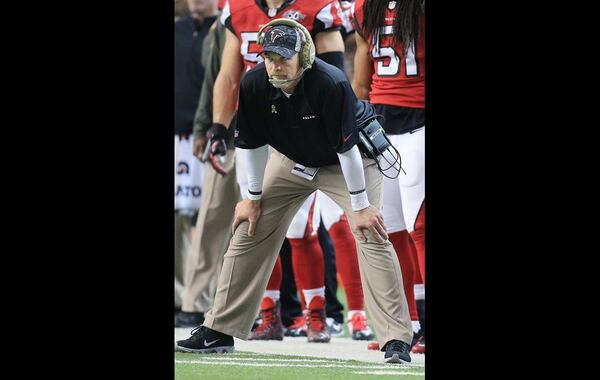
209 343
347 137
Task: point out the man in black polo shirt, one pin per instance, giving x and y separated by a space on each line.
306 110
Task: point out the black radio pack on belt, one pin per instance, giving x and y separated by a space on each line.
373 141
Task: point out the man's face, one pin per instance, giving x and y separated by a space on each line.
279 67
200 6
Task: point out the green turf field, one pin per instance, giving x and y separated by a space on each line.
241 365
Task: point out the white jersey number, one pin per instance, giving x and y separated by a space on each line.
381 53
247 39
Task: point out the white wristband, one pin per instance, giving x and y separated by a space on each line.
254 197
359 201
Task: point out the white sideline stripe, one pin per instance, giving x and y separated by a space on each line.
277 360
395 373
283 365
233 359
290 360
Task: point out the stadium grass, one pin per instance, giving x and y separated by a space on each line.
245 365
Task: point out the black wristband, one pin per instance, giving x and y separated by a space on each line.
335 58
357 192
218 131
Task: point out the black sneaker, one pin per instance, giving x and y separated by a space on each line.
189 319
396 351
204 341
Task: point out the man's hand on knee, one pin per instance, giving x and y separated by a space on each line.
246 210
371 219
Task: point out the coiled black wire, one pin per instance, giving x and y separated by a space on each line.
365 114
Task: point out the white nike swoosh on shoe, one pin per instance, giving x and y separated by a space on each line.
210 343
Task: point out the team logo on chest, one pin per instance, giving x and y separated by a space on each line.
294 15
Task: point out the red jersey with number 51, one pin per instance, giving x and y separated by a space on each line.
245 17
397 80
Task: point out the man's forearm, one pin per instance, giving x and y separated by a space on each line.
352 168
224 100
256 161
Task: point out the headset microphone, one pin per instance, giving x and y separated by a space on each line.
279 83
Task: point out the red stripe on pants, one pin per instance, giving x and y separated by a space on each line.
418 237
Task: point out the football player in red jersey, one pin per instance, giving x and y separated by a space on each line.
389 70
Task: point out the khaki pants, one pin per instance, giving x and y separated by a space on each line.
182 243
211 236
249 261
